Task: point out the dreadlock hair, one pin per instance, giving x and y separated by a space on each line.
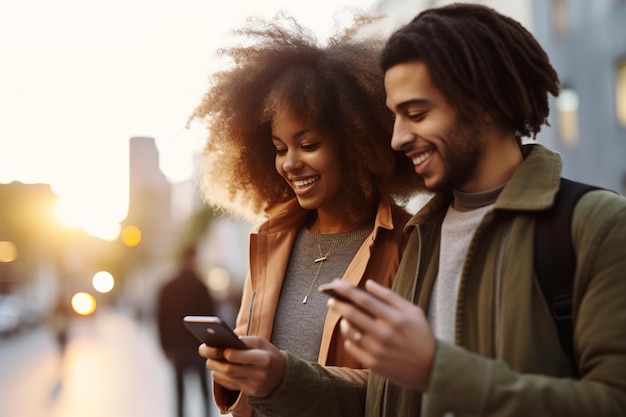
337 89
476 55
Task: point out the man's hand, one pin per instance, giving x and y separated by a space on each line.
386 333
256 371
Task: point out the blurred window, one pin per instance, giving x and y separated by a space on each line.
620 92
567 104
560 17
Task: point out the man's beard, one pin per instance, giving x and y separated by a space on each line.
463 153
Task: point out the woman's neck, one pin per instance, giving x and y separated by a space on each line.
323 223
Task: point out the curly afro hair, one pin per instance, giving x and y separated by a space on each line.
337 88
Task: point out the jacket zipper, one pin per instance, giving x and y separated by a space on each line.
499 275
413 289
250 314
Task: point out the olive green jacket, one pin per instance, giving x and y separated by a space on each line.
507 359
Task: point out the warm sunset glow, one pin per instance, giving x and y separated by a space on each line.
83 303
103 282
105 230
94 219
131 236
81 74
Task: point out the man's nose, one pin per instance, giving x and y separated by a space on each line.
401 135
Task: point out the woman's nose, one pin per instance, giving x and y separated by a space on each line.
292 162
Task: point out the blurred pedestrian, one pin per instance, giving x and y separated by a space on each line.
59 322
185 294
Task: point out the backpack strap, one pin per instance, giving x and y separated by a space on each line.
555 259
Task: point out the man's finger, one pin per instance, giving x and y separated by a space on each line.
388 296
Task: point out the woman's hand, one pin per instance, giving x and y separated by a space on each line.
256 371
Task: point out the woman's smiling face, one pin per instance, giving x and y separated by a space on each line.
309 161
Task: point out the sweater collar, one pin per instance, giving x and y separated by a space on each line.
289 215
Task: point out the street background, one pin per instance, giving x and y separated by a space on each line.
112 367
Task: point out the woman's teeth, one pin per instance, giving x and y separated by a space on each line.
304 183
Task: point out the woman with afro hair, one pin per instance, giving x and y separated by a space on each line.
299 139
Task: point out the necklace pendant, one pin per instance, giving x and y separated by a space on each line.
320 259
305 298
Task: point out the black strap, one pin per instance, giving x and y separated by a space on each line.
555 259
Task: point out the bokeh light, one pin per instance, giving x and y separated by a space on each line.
103 282
8 251
218 279
131 235
83 303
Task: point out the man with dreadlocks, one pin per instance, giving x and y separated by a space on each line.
466 330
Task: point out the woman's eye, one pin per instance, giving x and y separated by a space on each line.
309 146
280 151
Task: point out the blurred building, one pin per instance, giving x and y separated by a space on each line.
147 230
586 42
168 217
27 224
40 259
150 193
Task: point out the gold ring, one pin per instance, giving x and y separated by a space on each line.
357 336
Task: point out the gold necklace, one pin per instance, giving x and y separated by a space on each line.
320 261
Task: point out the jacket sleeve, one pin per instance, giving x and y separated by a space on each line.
311 390
337 382
465 383
234 402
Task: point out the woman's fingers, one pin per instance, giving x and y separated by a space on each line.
210 352
255 371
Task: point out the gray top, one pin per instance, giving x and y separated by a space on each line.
457 231
298 326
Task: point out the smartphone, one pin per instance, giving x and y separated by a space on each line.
328 290
212 331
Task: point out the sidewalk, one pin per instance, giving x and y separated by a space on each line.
112 367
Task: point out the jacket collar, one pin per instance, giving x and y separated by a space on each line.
283 216
290 215
534 183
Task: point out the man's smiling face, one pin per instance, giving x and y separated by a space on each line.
445 150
